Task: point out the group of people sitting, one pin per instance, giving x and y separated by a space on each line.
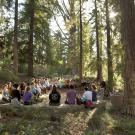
26 93
89 98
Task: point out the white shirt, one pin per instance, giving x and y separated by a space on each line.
38 88
88 95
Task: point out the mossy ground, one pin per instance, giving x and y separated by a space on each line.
63 121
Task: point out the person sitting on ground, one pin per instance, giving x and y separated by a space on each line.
16 97
28 84
87 98
9 88
38 87
94 93
67 81
71 96
34 89
15 92
5 94
22 88
27 96
54 97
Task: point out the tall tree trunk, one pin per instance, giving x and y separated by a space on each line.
15 48
30 47
109 50
99 64
73 44
128 34
81 42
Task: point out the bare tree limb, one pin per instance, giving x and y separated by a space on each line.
66 8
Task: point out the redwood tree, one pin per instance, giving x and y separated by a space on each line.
109 49
15 47
81 41
99 64
128 34
30 46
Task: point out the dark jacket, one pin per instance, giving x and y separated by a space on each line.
16 94
54 97
94 96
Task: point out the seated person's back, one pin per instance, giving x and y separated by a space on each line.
94 93
71 95
34 91
15 92
22 88
54 96
87 95
27 96
5 94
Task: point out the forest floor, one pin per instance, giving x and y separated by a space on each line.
64 120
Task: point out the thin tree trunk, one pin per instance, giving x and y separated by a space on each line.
109 51
99 65
128 34
30 47
81 42
15 48
73 39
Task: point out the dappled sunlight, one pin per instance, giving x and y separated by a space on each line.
91 113
113 14
67 67
109 121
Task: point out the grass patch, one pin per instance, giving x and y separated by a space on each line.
63 121
6 75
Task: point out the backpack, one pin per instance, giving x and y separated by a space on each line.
54 96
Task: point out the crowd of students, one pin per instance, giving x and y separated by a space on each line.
26 93
88 98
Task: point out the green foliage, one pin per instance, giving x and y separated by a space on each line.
57 52
97 132
23 68
6 75
51 71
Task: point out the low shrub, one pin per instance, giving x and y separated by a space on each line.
6 75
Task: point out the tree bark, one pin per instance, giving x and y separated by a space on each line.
73 39
99 64
128 35
30 47
81 42
109 50
15 47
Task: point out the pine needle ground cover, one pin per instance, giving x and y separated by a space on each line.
63 121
